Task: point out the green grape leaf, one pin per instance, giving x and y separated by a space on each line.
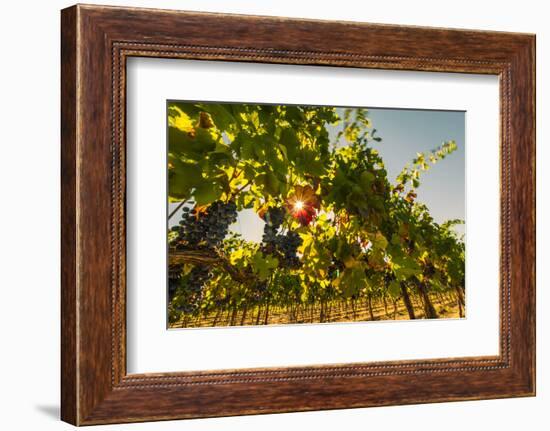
207 192
264 264
394 289
182 178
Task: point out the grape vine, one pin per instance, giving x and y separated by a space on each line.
339 241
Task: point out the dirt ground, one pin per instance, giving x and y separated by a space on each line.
446 307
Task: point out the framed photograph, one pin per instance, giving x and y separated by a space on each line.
260 217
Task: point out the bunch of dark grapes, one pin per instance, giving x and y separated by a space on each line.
273 220
174 277
259 291
429 269
222 302
288 245
192 289
284 246
204 229
274 217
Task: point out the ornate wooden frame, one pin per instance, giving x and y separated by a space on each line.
95 42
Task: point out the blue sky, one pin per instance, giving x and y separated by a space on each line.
404 133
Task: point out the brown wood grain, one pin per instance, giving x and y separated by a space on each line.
96 41
69 368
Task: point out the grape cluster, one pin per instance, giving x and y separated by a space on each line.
222 302
288 245
204 229
259 291
284 246
273 220
274 217
429 269
192 289
174 278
